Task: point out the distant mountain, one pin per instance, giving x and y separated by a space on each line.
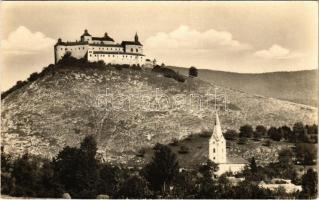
66 103
297 86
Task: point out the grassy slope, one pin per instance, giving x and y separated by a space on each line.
299 87
59 109
198 151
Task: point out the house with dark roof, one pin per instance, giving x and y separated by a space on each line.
102 49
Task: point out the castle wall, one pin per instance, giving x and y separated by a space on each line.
77 51
133 49
116 58
105 48
100 42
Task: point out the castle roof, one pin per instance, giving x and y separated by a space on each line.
104 38
86 33
131 43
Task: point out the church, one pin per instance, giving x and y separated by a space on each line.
218 154
102 48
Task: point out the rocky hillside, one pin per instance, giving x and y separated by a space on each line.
126 110
299 86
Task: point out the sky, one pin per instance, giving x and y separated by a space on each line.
244 37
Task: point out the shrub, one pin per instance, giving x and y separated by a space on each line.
205 134
246 131
183 150
174 142
193 72
141 152
242 140
267 143
230 134
169 73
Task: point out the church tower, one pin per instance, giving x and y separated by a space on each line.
217 144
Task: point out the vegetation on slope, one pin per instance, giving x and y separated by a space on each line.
120 105
298 87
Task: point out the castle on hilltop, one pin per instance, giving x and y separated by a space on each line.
102 48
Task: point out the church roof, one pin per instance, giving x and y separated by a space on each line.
217 132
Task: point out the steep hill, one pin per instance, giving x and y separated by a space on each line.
124 110
298 87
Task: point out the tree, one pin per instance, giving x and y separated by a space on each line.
135 187
207 183
109 178
162 169
192 72
230 134
285 158
287 133
253 165
261 130
246 131
309 185
77 169
299 132
275 134
25 172
306 153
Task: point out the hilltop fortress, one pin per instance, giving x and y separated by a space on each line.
102 48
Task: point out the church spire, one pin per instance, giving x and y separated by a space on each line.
217 127
136 37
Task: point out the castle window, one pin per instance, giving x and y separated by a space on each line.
214 150
66 48
79 48
132 50
111 48
136 50
83 47
61 48
214 158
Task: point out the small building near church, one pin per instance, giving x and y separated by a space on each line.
218 154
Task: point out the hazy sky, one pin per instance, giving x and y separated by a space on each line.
249 37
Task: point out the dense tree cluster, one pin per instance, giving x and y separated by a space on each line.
299 133
77 172
169 73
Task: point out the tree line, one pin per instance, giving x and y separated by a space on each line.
299 133
77 173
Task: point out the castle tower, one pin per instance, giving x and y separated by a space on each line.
217 144
136 37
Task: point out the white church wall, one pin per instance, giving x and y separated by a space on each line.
229 167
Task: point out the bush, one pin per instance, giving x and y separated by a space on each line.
141 152
174 142
230 134
169 73
183 150
275 134
193 72
267 143
246 131
205 134
242 140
